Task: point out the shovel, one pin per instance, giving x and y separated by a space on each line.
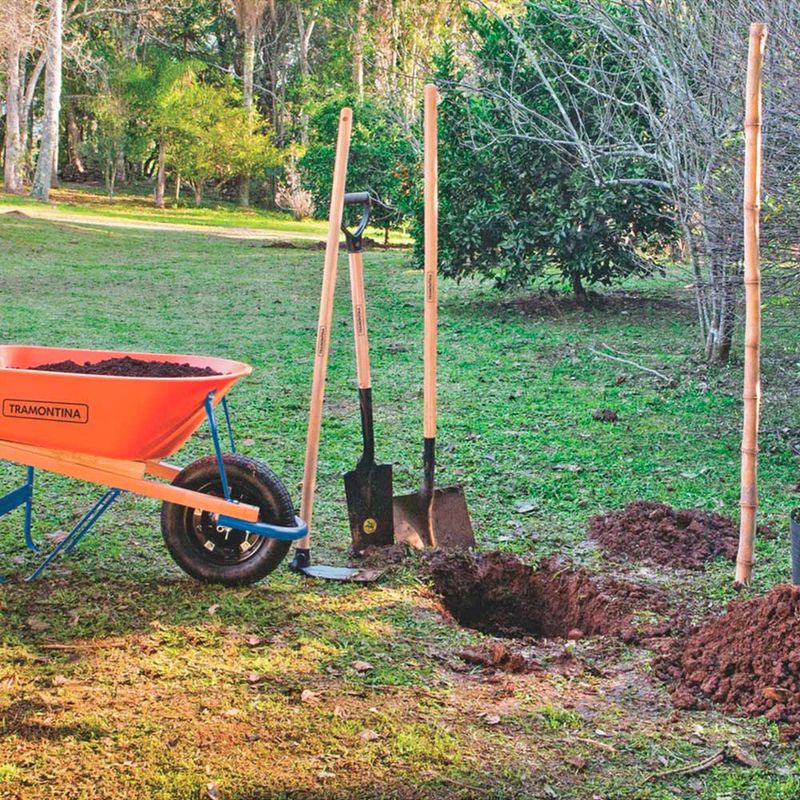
368 487
432 517
301 562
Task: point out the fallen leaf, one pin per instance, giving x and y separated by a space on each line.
213 609
37 624
577 761
254 641
525 507
491 719
59 680
248 442
323 773
307 696
775 694
368 735
56 537
254 677
362 666
212 791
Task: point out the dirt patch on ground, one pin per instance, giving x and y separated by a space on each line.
498 594
747 661
655 533
128 367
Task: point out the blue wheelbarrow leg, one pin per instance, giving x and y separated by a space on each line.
21 496
81 528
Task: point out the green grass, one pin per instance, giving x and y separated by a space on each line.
89 202
117 680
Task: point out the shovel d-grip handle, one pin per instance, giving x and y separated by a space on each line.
355 238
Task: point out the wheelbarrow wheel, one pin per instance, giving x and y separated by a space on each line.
216 554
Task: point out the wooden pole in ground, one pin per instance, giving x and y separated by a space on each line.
752 282
324 325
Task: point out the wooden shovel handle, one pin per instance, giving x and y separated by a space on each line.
359 303
431 257
324 325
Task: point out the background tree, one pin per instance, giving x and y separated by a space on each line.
669 80
16 32
381 160
249 18
48 147
515 208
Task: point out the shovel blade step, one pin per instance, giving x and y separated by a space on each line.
369 506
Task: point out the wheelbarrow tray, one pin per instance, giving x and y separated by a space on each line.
119 417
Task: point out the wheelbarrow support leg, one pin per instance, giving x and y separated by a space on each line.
81 528
212 423
29 543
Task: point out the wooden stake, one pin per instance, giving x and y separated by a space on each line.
752 281
324 325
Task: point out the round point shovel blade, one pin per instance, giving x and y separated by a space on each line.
369 506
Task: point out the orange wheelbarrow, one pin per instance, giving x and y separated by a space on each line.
225 519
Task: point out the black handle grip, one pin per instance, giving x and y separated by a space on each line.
358 199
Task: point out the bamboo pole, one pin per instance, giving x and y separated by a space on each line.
324 325
752 280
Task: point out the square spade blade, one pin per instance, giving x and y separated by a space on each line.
451 526
412 520
369 506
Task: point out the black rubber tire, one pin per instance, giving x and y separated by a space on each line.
188 532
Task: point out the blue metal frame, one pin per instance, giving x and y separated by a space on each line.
287 534
297 531
79 530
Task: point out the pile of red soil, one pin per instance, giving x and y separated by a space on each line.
498 594
129 368
746 661
655 533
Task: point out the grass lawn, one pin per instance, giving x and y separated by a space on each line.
122 678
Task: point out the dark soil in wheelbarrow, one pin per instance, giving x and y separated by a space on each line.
498 594
747 661
128 367
655 533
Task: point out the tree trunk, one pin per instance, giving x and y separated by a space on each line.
198 192
304 30
384 50
74 142
120 166
578 288
247 79
359 36
177 188
161 175
26 119
48 149
11 173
